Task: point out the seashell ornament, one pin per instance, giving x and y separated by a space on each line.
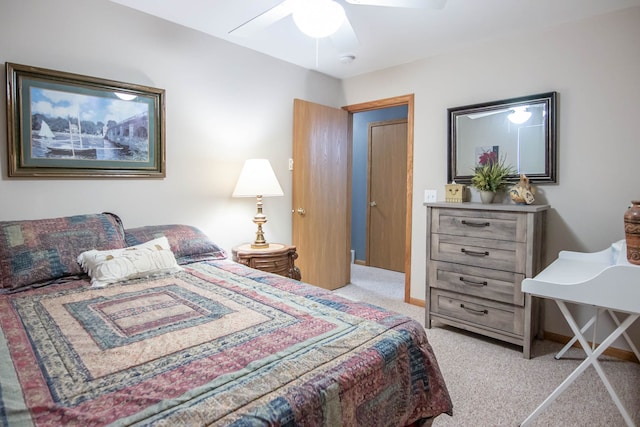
522 192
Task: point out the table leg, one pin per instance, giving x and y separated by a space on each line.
626 336
592 356
588 325
591 359
574 339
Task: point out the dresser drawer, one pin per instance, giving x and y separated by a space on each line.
478 311
473 223
497 285
485 253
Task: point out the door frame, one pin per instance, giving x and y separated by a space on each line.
379 104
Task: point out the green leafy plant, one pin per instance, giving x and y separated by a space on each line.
492 175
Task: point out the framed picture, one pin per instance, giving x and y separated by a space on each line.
67 125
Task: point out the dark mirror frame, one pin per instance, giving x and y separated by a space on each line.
550 144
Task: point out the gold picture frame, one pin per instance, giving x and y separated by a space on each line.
67 125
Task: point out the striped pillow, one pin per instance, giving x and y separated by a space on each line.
38 251
188 243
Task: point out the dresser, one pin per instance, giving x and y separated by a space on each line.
277 258
477 256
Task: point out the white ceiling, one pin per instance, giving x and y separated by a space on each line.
387 36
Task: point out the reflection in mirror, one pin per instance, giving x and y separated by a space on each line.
520 130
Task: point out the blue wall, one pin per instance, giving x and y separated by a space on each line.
359 179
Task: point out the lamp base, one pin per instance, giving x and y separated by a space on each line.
259 220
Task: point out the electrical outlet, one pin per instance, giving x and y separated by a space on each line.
290 164
430 196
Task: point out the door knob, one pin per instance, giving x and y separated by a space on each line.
301 211
373 204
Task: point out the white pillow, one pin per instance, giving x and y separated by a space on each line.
152 258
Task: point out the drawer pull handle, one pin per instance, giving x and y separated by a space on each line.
474 253
475 224
474 311
472 282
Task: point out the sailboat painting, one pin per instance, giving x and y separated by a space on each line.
45 131
72 125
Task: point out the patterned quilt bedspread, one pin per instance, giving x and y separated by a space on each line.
218 344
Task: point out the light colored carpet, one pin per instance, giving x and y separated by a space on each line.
489 381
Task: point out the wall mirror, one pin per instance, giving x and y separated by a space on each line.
522 131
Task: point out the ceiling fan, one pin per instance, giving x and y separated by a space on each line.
518 114
324 18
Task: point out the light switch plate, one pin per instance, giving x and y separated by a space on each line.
430 196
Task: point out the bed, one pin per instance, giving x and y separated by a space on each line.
103 325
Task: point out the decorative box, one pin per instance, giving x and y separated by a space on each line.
454 193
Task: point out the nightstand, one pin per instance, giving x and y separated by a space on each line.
277 258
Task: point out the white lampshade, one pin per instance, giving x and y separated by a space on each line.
257 179
318 18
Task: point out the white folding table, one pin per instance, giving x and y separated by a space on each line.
604 280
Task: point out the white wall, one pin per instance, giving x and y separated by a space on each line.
595 67
224 104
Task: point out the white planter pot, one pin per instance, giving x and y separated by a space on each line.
487 196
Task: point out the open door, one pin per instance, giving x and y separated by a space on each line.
321 200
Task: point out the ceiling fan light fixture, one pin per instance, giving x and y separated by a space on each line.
125 96
318 18
519 115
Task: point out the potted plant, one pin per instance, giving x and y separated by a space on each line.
490 177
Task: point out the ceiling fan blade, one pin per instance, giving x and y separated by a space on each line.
265 19
509 109
345 39
481 114
417 4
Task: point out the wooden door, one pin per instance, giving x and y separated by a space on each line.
387 189
321 200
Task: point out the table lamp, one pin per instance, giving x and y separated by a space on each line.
258 180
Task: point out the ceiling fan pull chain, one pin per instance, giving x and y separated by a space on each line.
317 62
